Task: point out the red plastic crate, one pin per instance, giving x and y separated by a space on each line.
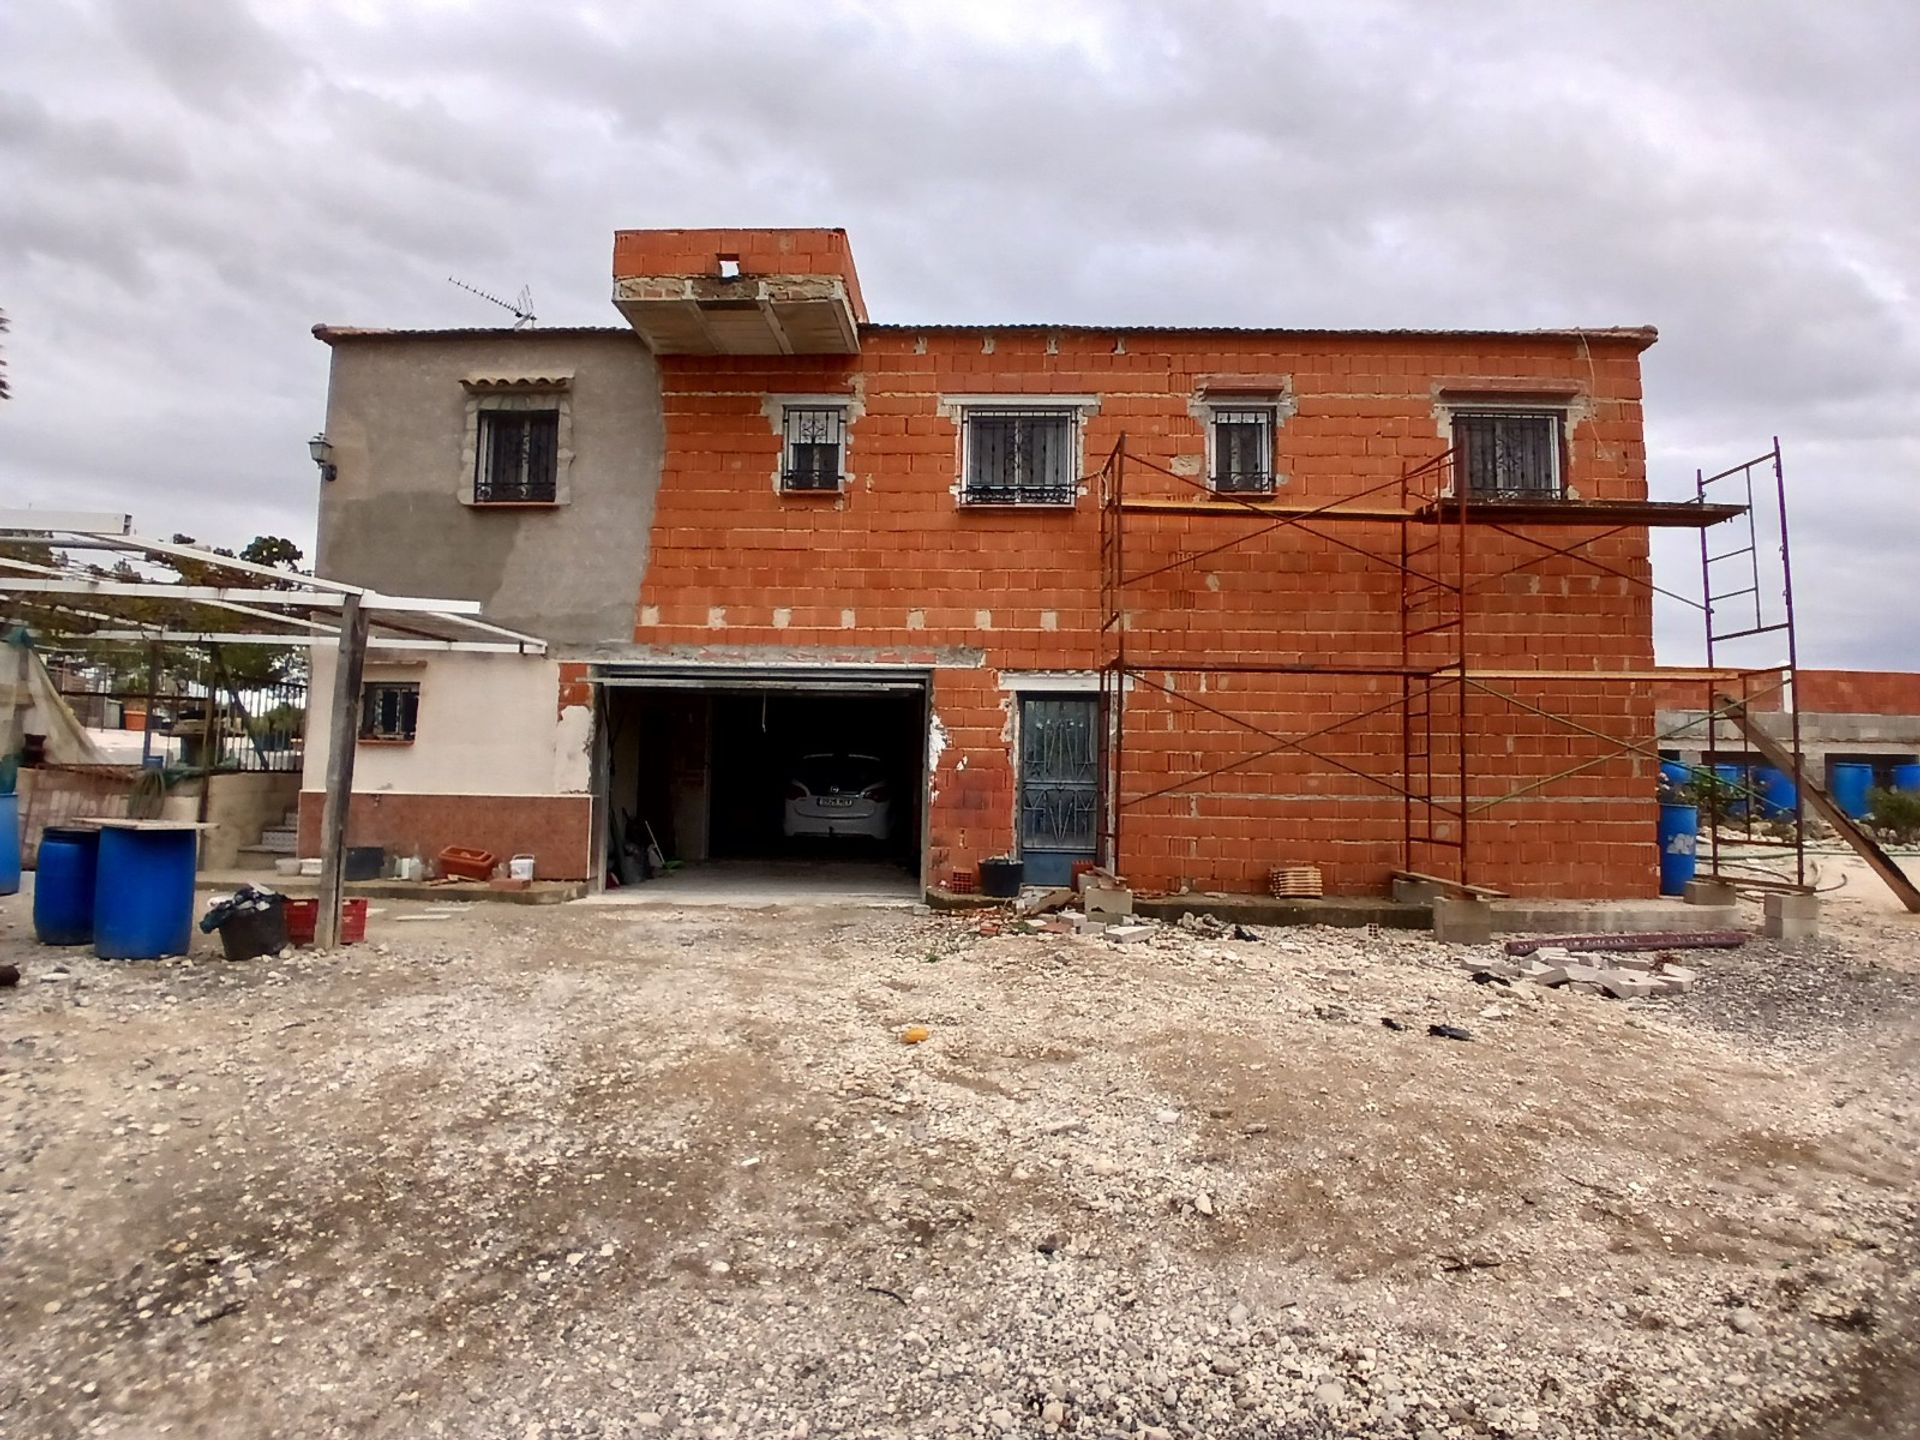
304 915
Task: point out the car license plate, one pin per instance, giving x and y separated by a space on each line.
837 802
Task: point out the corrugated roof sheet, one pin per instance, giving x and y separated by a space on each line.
333 333
1642 335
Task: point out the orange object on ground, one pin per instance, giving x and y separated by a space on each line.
468 864
914 1034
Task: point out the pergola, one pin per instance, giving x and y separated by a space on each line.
269 607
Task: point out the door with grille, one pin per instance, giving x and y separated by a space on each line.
1059 781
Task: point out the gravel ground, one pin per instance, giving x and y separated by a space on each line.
633 1172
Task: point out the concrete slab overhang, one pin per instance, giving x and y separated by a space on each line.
741 315
796 678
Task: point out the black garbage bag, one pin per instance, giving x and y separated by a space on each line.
251 922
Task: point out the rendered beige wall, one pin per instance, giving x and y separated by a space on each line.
392 519
488 725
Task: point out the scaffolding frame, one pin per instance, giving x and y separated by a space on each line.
1433 524
1736 614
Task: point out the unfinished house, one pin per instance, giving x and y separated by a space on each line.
1196 603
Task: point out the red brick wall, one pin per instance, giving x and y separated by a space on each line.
557 830
644 253
736 564
1860 692
1686 689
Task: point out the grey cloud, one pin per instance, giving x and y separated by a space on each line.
194 184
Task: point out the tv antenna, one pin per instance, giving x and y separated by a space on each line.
521 306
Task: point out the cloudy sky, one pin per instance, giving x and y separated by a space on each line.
186 186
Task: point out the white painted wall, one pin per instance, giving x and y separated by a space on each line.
488 725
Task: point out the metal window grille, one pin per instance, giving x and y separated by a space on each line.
1020 457
389 710
1243 451
518 458
1509 454
813 437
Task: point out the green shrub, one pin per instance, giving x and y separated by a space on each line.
1897 812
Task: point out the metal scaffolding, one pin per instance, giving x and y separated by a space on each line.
1430 525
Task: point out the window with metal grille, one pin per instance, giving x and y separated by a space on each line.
1020 457
814 437
1242 449
389 709
1508 454
517 460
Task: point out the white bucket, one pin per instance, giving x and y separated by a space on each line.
520 867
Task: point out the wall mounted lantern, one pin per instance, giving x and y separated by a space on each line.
321 449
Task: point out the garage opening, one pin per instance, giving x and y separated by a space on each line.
769 781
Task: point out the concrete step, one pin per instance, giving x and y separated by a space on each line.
280 842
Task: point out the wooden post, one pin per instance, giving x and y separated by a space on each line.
15 742
343 735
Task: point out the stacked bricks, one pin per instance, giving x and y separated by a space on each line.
895 568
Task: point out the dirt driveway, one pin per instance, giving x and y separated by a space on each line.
554 1173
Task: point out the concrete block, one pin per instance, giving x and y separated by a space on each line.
1629 961
1709 892
1675 980
1088 925
1417 892
1583 987
1545 974
1110 902
1792 917
1628 984
1578 974
1505 969
1462 922
1128 934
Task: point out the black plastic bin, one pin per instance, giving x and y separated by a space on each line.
1001 877
258 929
364 862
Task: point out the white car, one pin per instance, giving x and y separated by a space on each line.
839 797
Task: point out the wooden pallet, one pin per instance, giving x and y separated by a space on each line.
1294 882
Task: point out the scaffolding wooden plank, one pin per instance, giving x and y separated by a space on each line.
1781 759
1676 514
1232 508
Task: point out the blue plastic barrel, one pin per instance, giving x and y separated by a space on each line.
1906 777
1777 792
143 893
1849 784
1734 777
9 844
1672 772
1679 832
63 885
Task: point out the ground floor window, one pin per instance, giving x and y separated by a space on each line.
389 710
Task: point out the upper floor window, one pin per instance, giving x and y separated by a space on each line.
1020 456
517 458
1509 454
813 445
517 447
1240 449
389 710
